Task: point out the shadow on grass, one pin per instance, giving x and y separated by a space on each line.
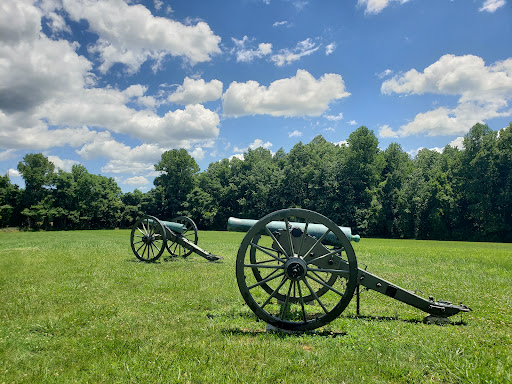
411 321
280 333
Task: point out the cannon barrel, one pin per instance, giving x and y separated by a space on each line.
316 230
173 226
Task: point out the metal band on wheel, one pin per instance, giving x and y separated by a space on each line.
291 279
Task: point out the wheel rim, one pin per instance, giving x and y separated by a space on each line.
190 234
148 239
291 279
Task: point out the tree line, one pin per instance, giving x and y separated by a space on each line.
454 195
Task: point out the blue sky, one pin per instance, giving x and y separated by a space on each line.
113 84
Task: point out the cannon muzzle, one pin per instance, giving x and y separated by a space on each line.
315 230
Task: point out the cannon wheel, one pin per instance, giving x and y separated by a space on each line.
288 286
190 234
330 280
148 239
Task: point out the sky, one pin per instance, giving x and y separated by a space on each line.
113 84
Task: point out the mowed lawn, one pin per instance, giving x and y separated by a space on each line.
78 307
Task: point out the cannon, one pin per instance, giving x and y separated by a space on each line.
297 271
150 237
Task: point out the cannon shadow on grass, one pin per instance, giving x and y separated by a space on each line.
396 318
279 333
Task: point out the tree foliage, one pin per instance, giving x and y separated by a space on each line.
457 194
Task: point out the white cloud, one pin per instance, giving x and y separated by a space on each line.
259 143
63 164
128 167
34 68
197 153
287 56
352 122
279 23
341 143
136 181
13 172
491 5
107 108
47 98
301 95
239 156
246 55
7 154
330 48
457 143
130 34
255 144
384 73
337 117
484 93
376 6
196 91
385 131
295 134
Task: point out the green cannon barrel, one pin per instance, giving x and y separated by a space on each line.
316 230
175 227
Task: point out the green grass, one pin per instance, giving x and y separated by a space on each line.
78 307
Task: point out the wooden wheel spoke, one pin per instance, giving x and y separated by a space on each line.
283 310
332 253
267 252
315 296
274 293
264 281
277 242
321 282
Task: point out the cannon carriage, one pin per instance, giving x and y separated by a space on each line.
297 271
150 237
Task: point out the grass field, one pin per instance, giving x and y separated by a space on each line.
78 307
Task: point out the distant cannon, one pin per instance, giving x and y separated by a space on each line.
297 270
150 237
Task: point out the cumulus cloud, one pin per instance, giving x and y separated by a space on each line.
385 131
246 55
484 93
301 95
107 108
197 153
63 164
491 5
196 91
130 34
34 67
136 181
457 143
48 99
376 6
295 133
287 56
257 143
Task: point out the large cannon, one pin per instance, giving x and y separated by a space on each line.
297 270
150 237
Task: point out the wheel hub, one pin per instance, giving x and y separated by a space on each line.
295 268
